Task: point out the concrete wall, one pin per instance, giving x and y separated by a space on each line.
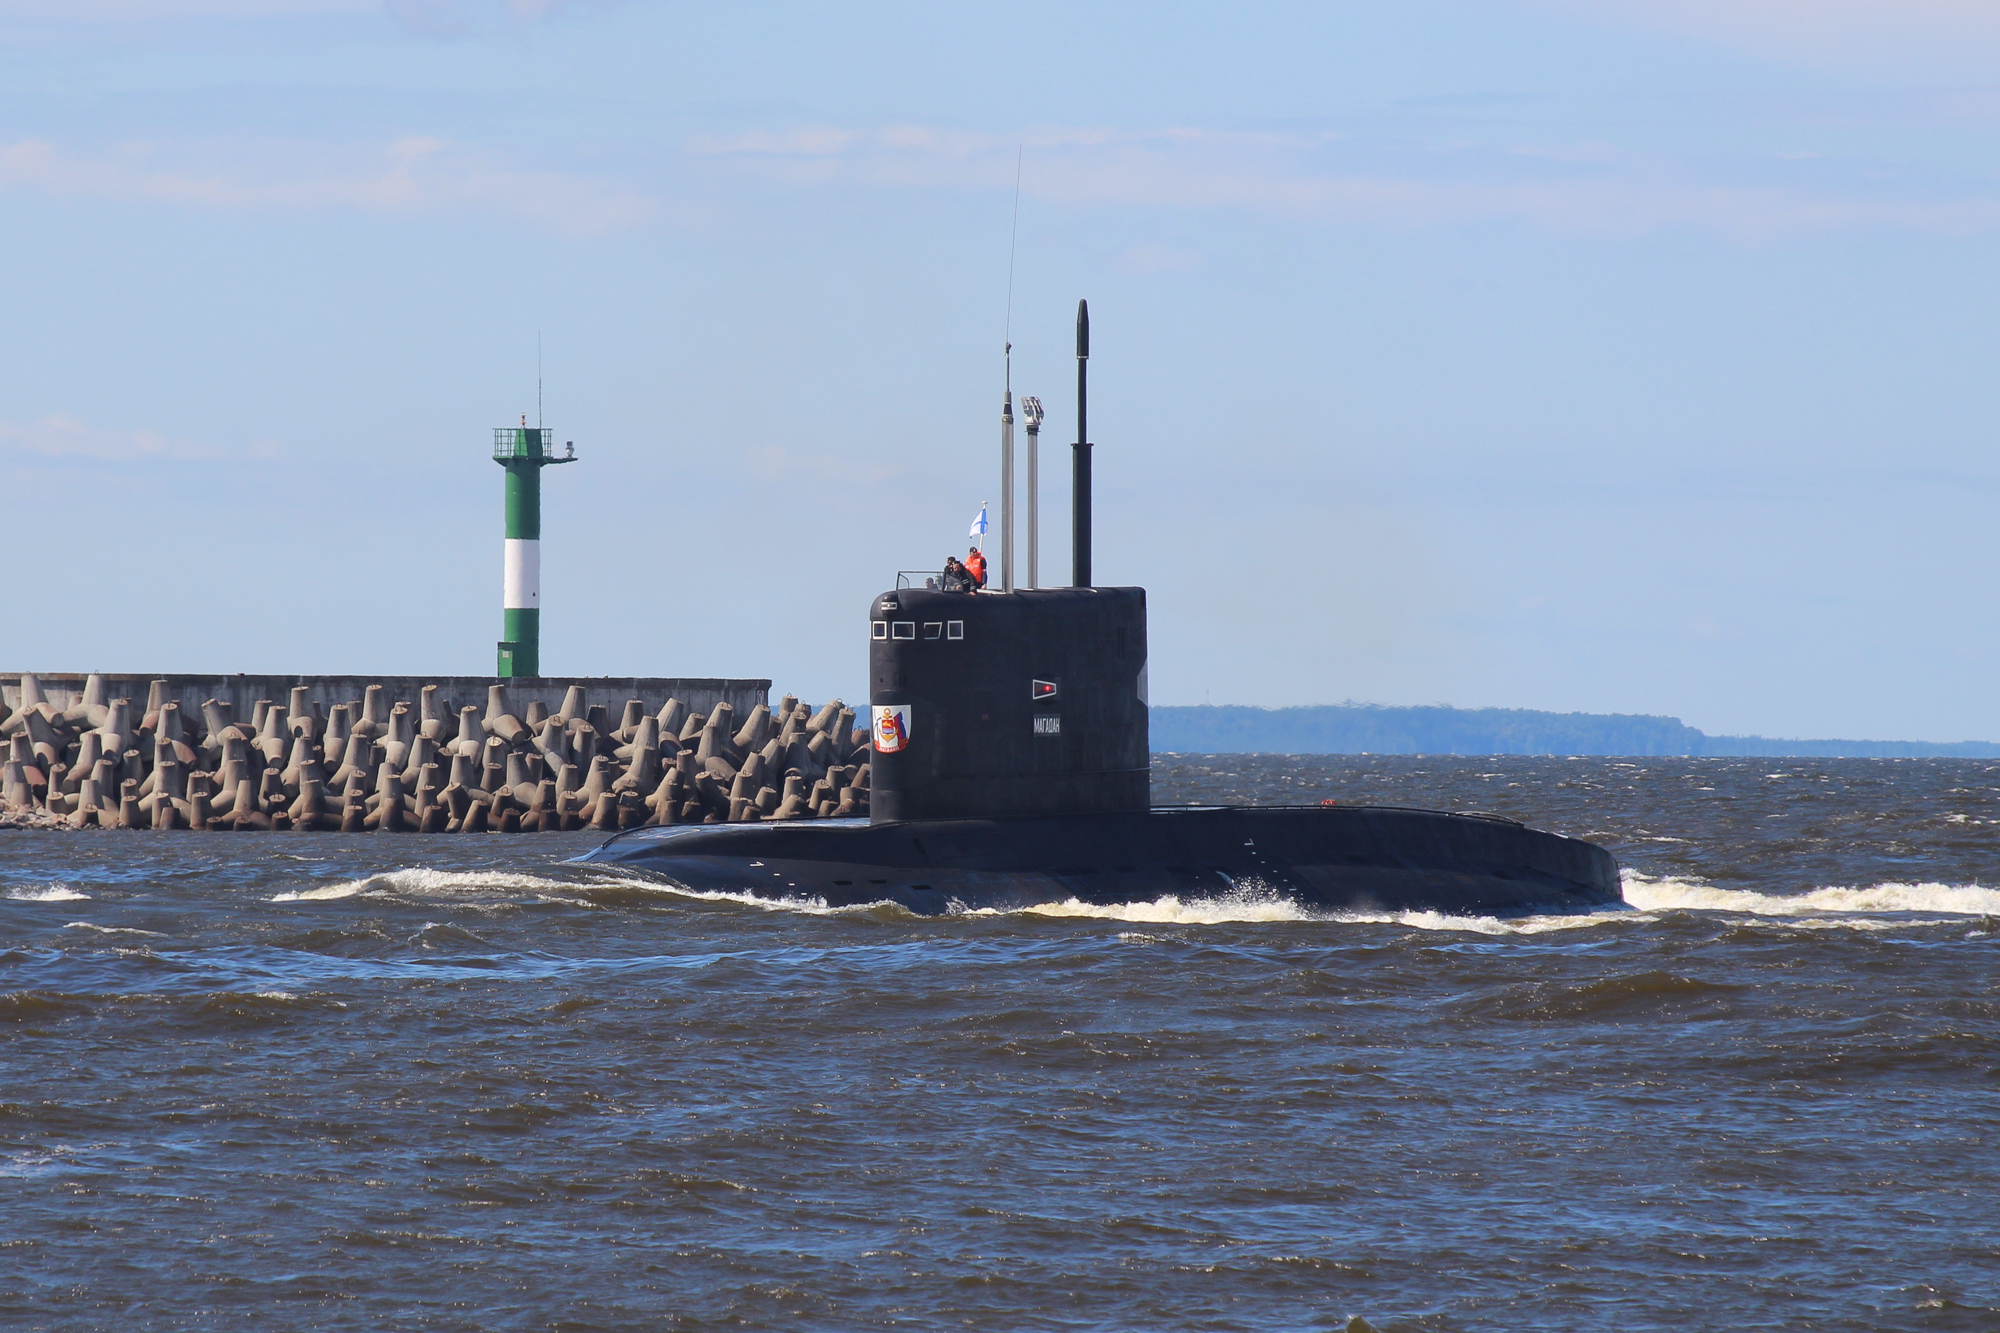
701 694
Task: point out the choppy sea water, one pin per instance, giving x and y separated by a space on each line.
389 1082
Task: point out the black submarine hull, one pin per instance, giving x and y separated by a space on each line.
1357 859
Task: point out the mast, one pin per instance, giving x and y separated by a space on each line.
1007 479
1079 540
1031 413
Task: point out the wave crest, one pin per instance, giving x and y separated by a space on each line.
412 883
1668 894
55 891
422 882
1169 909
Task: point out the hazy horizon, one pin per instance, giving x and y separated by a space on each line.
1363 705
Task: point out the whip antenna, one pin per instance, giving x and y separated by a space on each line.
1007 403
1013 234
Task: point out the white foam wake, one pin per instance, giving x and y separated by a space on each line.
55 891
418 882
1487 925
467 885
1168 910
1264 906
808 906
1669 894
1249 904
1826 907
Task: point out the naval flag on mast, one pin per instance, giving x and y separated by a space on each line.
979 524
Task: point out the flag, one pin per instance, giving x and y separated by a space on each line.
979 524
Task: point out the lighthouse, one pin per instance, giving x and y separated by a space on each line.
523 451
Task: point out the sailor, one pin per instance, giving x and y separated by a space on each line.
975 565
956 577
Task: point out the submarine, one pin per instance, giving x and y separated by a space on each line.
1010 768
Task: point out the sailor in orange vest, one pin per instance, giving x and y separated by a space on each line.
975 564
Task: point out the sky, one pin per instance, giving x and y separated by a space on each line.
1599 355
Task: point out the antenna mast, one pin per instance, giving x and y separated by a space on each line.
1079 518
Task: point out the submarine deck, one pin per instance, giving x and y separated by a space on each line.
1339 858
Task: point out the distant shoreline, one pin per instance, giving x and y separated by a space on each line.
1437 729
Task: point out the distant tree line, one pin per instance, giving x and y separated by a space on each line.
1436 729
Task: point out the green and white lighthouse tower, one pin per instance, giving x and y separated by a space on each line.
524 451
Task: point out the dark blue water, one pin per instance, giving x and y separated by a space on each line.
394 1082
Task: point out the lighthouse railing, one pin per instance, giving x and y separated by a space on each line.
510 442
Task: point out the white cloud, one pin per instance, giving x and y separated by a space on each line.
130 11
427 16
1589 188
415 174
61 436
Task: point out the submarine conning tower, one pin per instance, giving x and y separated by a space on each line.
993 705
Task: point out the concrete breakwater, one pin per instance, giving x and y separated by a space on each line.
435 755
